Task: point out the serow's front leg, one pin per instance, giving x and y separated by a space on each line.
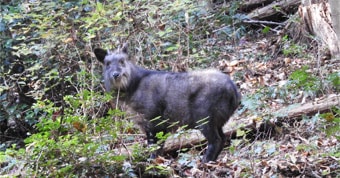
155 147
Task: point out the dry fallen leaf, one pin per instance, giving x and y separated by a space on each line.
79 126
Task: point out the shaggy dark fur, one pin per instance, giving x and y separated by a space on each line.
200 99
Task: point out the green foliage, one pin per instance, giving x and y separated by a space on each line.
253 102
265 30
304 80
334 79
65 107
11 160
158 170
301 81
231 30
292 49
72 129
332 126
65 141
161 136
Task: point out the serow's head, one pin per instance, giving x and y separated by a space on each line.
116 67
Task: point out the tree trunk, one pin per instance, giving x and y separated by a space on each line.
316 19
335 15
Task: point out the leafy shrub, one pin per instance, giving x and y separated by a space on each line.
47 61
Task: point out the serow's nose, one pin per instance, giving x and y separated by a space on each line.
115 75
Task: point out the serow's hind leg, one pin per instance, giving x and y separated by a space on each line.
216 141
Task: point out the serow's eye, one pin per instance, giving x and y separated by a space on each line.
121 62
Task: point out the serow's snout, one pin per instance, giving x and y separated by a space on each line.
115 75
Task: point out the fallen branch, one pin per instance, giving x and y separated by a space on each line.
252 4
320 106
264 22
273 8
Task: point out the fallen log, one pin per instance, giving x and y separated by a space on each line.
247 5
319 106
273 8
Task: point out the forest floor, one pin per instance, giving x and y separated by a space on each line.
303 146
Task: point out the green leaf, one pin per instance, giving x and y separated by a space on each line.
265 30
118 16
99 7
240 133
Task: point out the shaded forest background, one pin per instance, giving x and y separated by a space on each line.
56 120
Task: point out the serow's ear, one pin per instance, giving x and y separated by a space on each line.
100 54
124 48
